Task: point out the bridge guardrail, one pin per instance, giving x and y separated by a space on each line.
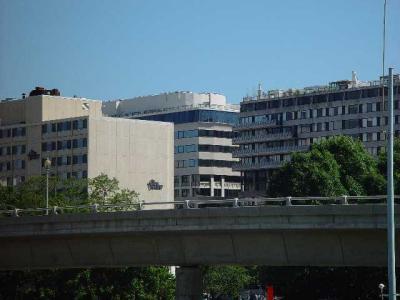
198 204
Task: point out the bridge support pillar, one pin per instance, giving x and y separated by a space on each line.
188 283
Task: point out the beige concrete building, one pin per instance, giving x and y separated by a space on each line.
203 139
81 143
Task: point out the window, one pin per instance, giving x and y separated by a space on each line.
190 133
79 143
63 160
215 148
353 95
19 164
305 128
61 145
190 148
191 163
353 109
304 100
179 164
203 115
79 159
185 180
349 124
45 128
20 131
335 97
215 163
179 149
215 133
370 93
176 181
18 149
335 111
79 124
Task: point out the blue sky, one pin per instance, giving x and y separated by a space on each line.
125 48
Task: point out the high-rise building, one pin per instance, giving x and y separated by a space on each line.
80 142
203 139
276 123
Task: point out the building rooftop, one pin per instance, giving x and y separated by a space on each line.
334 86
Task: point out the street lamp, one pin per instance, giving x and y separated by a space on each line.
47 165
381 287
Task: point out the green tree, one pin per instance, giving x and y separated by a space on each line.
148 283
225 280
68 192
382 165
336 166
106 191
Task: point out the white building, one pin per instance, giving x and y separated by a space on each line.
203 138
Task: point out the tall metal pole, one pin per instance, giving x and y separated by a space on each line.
390 197
47 190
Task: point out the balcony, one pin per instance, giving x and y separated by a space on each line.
262 138
255 125
257 166
268 151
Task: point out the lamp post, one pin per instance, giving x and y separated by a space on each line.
381 287
47 165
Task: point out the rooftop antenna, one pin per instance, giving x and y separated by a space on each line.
259 92
383 63
354 78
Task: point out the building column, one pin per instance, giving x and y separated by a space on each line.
188 283
212 186
222 186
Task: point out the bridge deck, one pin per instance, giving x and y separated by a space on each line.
328 235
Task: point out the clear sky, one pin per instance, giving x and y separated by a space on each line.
125 48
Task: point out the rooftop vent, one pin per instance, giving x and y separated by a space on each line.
42 91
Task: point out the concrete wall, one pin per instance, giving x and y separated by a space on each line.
12 112
135 152
55 108
331 235
36 109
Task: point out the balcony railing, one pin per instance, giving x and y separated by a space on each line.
268 150
260 124
262 137
258 165
280 94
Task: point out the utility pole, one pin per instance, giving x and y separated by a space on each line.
390 196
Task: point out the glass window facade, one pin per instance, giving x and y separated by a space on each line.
199 115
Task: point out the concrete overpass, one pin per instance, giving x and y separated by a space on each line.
326 235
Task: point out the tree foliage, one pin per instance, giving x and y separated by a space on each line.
382 165
147 283
106 191
334 167
225 280
68 192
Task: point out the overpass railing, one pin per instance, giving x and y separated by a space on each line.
198 204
